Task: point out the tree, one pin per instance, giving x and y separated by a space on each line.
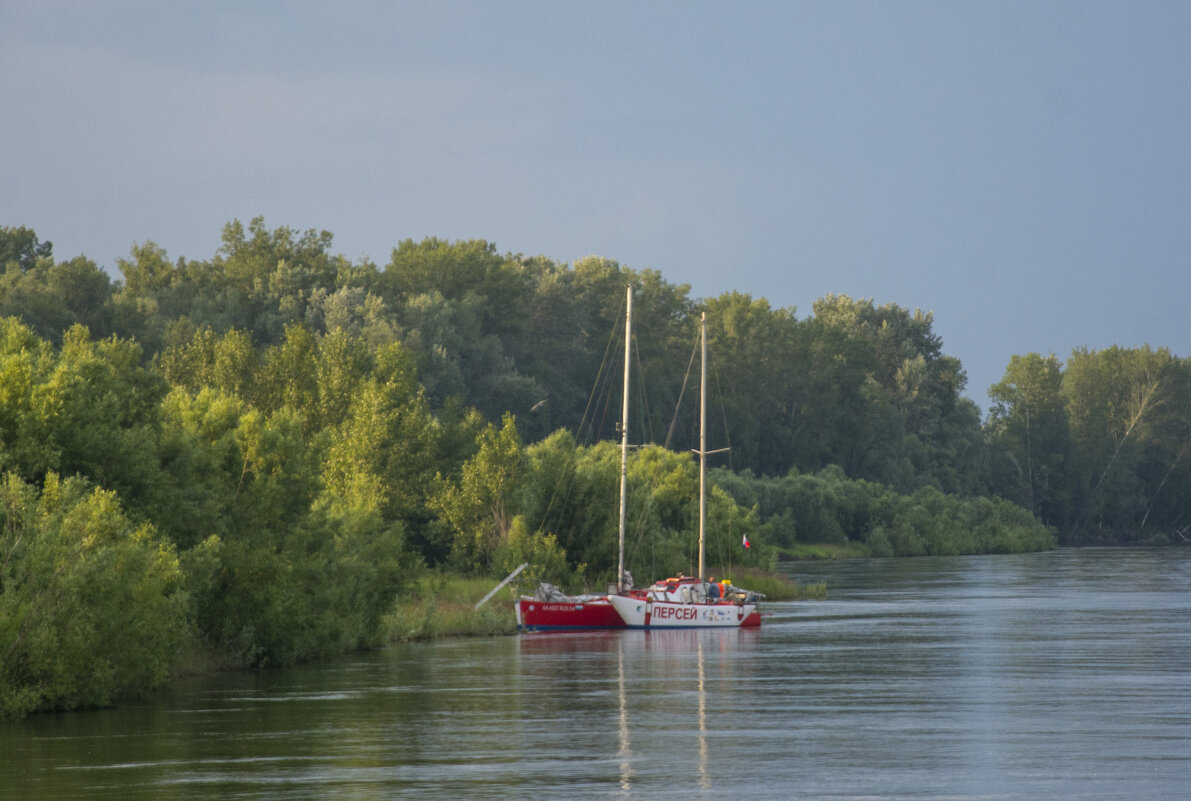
89 409
201 466
752 348
1028 422
227 362
51 297
480 508
1115 399
917 430
260 281
569 326
454 270
20 246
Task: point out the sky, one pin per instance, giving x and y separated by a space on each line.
1021 170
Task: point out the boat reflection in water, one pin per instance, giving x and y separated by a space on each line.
663 686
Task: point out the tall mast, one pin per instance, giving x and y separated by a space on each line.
624 434
702 438
703 452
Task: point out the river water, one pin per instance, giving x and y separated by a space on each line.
1064 675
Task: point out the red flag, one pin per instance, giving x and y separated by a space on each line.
746 541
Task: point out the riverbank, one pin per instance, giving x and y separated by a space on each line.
437 605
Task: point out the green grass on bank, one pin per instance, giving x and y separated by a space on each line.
821 550
443 605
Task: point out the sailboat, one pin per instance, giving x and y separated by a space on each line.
549 609
679 602
684 601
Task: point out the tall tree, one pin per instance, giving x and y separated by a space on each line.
1114 399
1028 422
481 506
21 247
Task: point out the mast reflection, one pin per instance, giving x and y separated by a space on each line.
625 751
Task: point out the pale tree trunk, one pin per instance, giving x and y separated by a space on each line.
1143 405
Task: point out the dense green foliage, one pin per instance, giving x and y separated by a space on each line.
828 507
254 456
1099 449
91 607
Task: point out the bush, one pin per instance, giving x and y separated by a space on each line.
90 607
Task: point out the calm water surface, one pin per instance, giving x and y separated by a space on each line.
1064 675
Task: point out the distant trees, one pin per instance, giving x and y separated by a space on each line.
278 320
1099 448
21 249
827 507
857 385
51 297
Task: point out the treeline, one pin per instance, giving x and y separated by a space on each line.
864 387
248 458
1096 447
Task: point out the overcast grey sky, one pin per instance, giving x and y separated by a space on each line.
1021 170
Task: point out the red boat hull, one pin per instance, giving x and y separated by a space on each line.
535 615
